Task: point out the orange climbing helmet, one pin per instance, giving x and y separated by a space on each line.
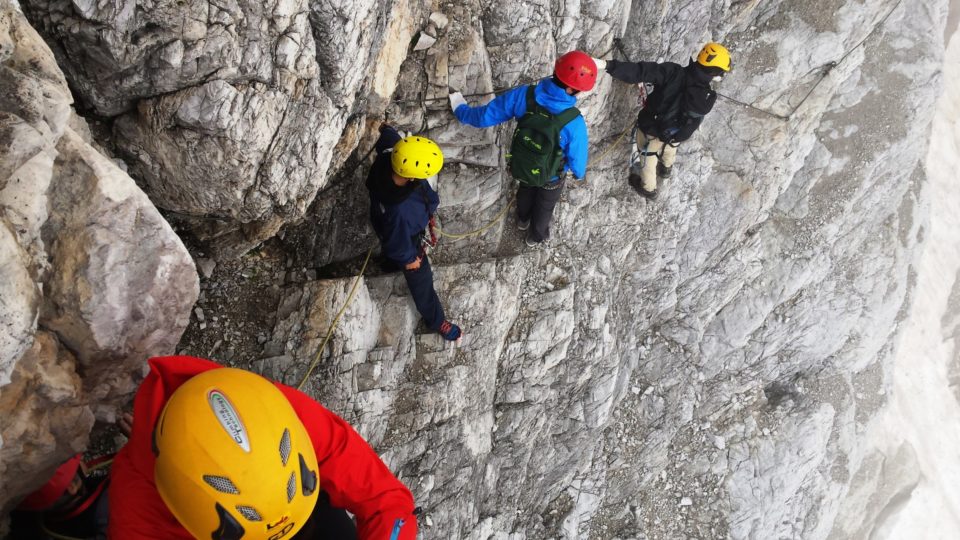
577 70
233 460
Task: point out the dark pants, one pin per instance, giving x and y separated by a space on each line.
89 524
536 204
327 523
420 283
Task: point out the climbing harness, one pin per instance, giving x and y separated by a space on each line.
431 238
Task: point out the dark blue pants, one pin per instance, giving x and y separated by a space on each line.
535 204
420 283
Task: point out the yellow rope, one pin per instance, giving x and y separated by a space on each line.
612 145
101 465
481 230
333 324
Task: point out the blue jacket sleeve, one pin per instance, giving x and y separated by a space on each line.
398 244
574 144
512 104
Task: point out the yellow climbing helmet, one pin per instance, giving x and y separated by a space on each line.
714 55
233 460
416 157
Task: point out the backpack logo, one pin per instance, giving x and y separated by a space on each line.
533 143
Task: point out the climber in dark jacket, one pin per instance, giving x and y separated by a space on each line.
681 97
402 205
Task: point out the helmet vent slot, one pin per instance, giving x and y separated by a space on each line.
285 447
308 477
291 487
249 513
221 484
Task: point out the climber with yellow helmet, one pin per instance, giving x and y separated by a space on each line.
225 454
402 208
680 98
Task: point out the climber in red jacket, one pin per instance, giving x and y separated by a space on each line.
224 453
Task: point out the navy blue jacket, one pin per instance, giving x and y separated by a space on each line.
513 104
399 214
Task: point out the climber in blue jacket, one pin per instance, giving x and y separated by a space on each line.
536 197
402 205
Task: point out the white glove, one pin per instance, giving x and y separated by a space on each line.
456 100
601 64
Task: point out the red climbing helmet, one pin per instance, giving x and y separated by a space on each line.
577 70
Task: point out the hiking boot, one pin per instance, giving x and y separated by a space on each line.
523 225
530 242
664 172
450 331
637 184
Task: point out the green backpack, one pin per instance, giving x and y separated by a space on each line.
535 155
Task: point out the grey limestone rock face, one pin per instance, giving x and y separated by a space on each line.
122 284
705 365
229 114
20 298
94 281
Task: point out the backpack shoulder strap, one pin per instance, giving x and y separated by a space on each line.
567 116
532 104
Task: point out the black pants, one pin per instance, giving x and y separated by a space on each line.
420 283
536 204
327 523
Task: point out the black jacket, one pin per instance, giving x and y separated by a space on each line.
681 96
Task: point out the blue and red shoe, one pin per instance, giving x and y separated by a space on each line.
450 331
